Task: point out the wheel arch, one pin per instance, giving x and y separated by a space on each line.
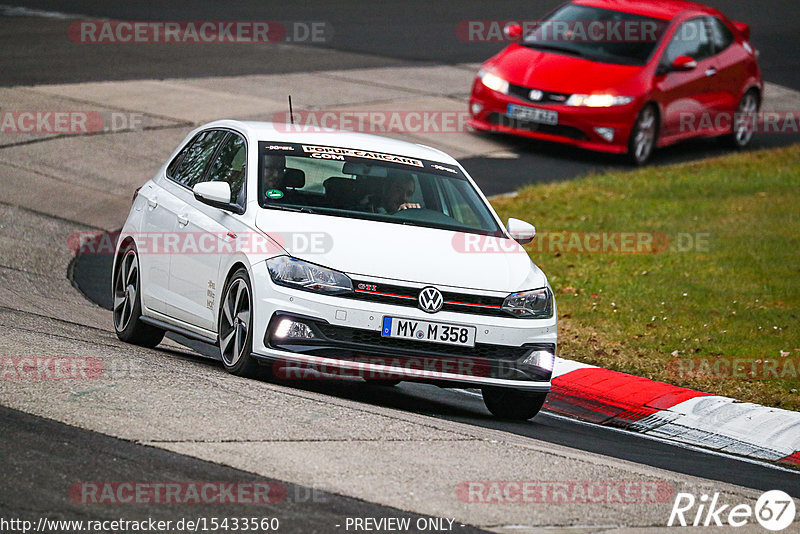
659 114
758 91
123 244
237 264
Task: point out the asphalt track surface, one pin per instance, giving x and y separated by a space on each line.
374 33
44 458
362 34
91 275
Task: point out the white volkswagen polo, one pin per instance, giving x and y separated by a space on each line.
321 253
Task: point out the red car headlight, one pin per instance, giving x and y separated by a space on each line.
493 81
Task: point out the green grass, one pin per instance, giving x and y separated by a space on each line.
737 295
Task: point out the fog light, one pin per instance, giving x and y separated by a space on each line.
475 108
605 133
543 359
288 329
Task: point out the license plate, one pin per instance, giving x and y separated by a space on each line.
417 330
525 113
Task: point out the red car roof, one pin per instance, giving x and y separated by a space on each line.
662 9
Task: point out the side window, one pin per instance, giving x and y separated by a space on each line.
172 168
721 34
691 39
196 157
458 206
230 166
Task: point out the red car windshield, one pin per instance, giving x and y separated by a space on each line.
598 34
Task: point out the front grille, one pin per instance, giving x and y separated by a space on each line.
560 130
374 339
407 296
355 344
548 97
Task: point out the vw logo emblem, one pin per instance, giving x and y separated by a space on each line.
430 300
536 95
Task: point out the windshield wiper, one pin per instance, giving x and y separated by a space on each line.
555 48
295 209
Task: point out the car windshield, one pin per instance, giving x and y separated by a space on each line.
370 185
598 34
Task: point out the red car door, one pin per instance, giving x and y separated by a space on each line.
729 65
685 95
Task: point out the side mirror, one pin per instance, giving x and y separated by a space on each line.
512 31
216 194
521 231
684 63
743 28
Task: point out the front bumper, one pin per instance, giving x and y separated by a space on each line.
348 342
576 125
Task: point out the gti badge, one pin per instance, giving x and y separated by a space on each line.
536 95
430 300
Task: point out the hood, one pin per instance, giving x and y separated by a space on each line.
561 73
402 252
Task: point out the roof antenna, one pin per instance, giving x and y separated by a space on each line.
291 113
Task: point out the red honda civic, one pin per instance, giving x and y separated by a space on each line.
622 76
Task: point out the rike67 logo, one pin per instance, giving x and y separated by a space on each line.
774 510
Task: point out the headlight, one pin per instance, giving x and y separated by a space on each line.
299 274
493 82
598 101
535 304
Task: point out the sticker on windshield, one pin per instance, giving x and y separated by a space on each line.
329 151
443 168
275 194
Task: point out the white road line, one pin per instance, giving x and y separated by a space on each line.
17 11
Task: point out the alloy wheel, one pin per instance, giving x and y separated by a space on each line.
645 135
744 129
126 290
234 322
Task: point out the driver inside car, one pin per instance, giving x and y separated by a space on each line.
396 196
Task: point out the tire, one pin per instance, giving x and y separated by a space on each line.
235 339
644 134
742 128
127 307
507 403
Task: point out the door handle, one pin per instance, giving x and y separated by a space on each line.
710 72
183 221
152 203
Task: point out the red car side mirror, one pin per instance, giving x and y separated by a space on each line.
512 31
684 63
743 28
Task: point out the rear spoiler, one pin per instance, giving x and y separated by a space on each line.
743 28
